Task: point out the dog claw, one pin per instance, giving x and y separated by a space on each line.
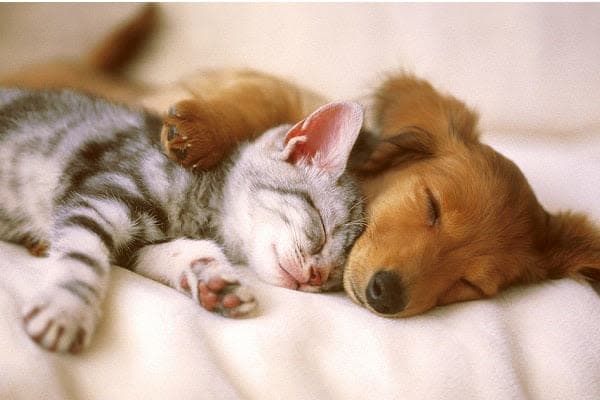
172 133
192 137
180 153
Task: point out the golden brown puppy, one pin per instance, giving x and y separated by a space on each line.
449 218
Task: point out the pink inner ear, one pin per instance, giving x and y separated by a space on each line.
330 132
318 129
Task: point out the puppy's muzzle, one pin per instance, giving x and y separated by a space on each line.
385 293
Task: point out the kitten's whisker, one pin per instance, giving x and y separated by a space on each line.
362 222
357 203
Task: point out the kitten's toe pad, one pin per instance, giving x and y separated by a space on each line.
216 288
189 135
59 323
36 247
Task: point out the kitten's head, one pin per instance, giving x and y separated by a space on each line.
290 210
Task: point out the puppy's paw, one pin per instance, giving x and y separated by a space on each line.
193 136
215 287
59 321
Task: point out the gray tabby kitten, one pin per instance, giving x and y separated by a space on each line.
89 178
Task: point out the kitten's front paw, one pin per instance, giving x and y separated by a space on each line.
191 135
215 287
59 322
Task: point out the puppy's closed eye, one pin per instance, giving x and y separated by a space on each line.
433 209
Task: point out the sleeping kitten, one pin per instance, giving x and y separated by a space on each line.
89 178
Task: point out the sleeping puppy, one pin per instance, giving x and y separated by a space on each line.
450 219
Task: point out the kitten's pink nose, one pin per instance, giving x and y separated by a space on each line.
316 277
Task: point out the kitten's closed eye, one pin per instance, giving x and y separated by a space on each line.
292 209
317 237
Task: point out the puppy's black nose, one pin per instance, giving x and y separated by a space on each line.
385 293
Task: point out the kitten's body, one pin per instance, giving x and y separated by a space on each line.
89 178
109 145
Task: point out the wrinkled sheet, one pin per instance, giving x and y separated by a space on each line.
537 342
532 72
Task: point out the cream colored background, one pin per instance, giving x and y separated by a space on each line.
531 70
522 65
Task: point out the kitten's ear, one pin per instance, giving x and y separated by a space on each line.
325 138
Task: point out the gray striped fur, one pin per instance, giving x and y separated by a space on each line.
90 178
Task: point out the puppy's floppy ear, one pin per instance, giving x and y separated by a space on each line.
570 246
371 155
404 101
413 121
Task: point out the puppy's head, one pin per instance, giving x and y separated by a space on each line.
450 219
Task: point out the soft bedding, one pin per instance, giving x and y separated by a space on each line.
537 342
532 71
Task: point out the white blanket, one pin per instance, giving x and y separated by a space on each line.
539 342
532 71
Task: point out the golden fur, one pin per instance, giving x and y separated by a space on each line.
487 231
449 218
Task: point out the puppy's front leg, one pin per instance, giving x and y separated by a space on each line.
229 108
196 134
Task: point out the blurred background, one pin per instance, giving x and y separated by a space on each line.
525 66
